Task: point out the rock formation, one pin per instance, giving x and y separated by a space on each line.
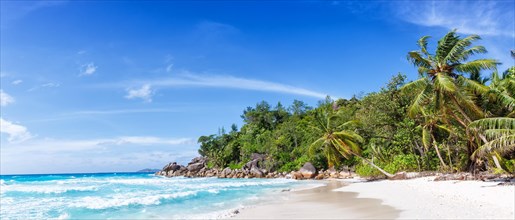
197 167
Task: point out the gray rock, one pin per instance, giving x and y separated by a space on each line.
171 166
195 167
195 160
256 172
225 172
249 165
296 175
308 171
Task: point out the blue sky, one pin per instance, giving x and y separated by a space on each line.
93 86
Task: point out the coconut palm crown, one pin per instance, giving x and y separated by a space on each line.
442 83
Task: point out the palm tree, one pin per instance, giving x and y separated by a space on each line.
336 141
442 78
443 88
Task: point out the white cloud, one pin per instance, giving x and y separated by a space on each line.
146 140
187 79
12 11
17 133
5 99
145 93
169 68
493 18
121 111
88 69
45 85
51 85
70 145
126 153
231 82
215 29
17 82
81 52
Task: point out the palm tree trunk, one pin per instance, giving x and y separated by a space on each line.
389 175
439 156
418 160
449 155
496 162
437 151
494 158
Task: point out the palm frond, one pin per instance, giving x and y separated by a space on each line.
423 71
348 135
416 86
348 123
341 148
353 146
504 144
470 52
416 59
445 128
316 145
503 98
497 133
477 66
473 85
493 123
418 104
426 138
422 44
444 83
466 102
458 48
445 45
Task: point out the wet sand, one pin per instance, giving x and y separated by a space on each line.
320 203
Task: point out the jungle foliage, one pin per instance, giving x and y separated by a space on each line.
450 119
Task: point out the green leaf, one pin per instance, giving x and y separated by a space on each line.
477 66
444 83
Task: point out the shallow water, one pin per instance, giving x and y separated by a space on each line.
130 195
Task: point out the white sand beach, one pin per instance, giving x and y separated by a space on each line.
419 198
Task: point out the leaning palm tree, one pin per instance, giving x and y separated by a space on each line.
336 141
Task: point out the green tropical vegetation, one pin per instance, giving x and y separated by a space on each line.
450 119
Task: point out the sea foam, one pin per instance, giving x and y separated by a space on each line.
143 196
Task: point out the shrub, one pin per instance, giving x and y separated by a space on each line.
402 162
365 170
234 165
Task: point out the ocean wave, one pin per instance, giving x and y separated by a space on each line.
116 201
47 189
63 216
137 196
220 214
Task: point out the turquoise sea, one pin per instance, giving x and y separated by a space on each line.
130 196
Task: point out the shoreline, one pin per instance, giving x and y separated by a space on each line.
321 202
420 198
